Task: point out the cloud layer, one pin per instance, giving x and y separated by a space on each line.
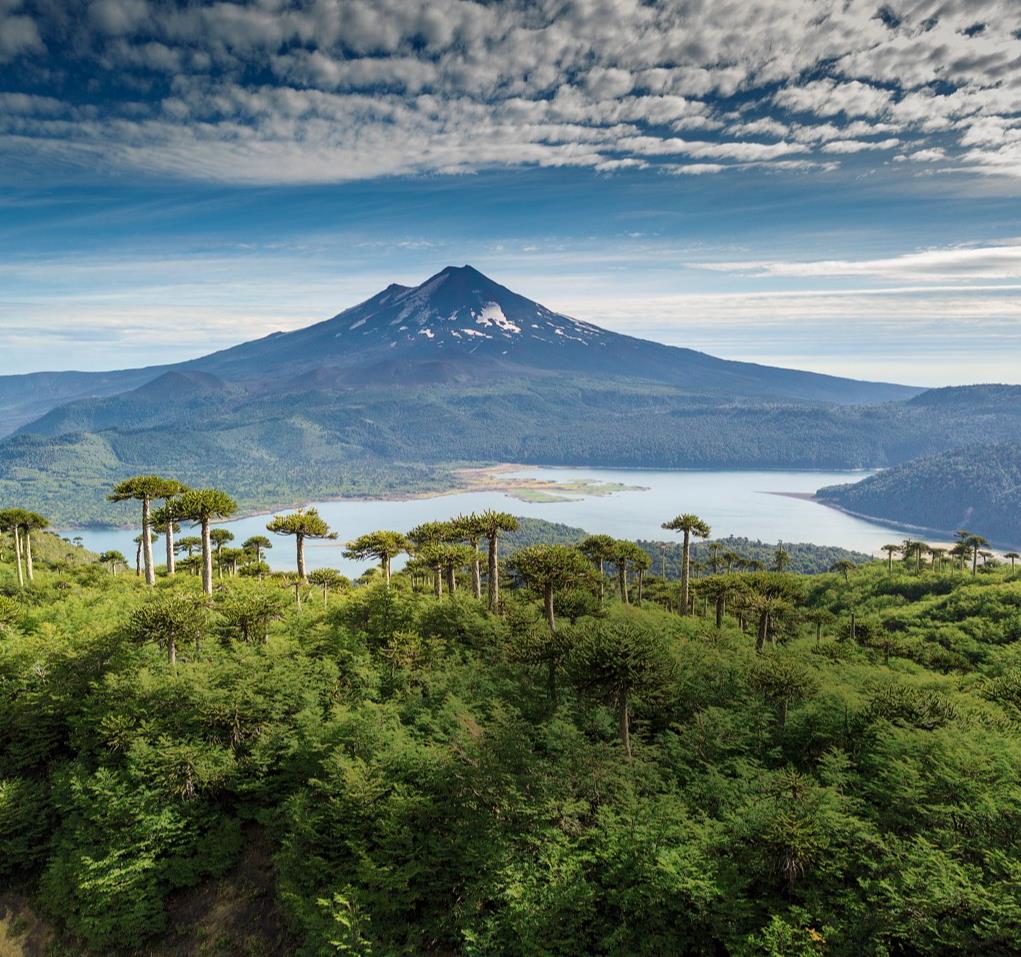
279 91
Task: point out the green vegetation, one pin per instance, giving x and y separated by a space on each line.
271 449
978 486
797 766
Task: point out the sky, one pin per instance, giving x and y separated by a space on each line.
824 184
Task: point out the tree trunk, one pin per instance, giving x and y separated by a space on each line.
477 576
622 582
171 557
28 555
150 571
685 571
386 568
437 582
451 580
602 579
641 584
720 602
625 725
763 634
17 556
207 559
547 601
300 544
974 560
138 560
494 573
172 652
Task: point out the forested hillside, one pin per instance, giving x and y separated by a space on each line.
977 487
318 443
581 764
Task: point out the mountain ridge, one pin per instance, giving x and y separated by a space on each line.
458 317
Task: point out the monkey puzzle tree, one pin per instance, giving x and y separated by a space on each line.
548 568
448 557
383 546
1013 556
689 525
202 506
10 521
188 544
844 567
257 544
772 597
219 537
112 559
623 554
890 550
719 589
139 541
599 550
145 488
491 524
302 524
166 518
422 537
326 578
618 658
470 530
29 522
169 619
973 543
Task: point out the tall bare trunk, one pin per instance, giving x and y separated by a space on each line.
451 580
138 558
720 605
622 581
641 584
685 571
17 556
150 570
28 555
547 598
207 559
171 560
437 582
602 578
494 573
172 652
300 539
386 568
477 575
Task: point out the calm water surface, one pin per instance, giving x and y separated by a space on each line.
734 503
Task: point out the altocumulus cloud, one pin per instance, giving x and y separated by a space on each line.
277 91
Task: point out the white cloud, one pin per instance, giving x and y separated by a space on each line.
333 90
964 263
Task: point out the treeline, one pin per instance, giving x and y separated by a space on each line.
978 486
516 754
321 443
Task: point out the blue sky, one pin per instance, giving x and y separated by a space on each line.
830 186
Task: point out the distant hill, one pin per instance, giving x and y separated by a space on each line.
977 487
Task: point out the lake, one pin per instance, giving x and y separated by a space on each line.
733 502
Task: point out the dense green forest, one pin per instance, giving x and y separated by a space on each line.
322 443
572 764
978 487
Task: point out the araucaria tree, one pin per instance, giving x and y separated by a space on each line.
10 521
618 658
145 488
303 524
382 546
689 525
492 523
548 568
203 506
599 550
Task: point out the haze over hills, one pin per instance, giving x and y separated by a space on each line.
385 396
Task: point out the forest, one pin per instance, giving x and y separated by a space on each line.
553 750
316 443
977 485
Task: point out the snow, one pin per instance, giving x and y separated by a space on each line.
360 322
492 315
427 332
475 332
